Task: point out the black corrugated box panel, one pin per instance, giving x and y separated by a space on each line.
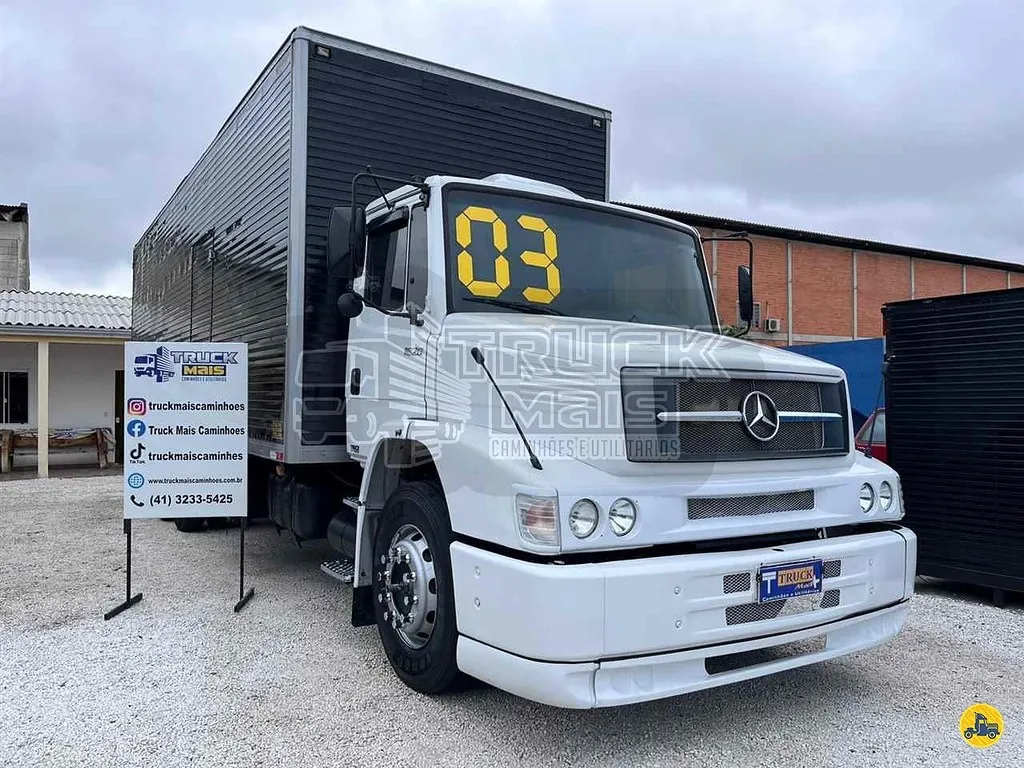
955 432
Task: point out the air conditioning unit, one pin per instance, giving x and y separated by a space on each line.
773 325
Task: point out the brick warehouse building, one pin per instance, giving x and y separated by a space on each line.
822 288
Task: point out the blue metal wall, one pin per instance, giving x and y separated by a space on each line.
862 362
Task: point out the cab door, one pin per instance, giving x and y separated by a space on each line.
387 353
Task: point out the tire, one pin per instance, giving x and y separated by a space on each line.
189 524
969 733
422 652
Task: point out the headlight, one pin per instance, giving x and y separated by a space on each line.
885 495
622 516
538 519
867 498
583 518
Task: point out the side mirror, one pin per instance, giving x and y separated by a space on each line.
350 305
346 232
745 293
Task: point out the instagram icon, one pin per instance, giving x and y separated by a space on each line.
136 406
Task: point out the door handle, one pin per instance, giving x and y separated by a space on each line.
355 384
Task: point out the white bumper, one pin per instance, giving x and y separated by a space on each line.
611 633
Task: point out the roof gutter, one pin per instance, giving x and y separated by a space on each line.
81 333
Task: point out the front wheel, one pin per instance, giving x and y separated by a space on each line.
414 602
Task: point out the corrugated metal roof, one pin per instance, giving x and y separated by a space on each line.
41 309
821 238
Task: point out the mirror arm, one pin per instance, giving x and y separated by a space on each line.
413 315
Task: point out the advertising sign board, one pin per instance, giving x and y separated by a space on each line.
186 429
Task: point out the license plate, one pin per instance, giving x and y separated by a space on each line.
787 580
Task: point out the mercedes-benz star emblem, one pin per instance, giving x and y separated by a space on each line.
760 416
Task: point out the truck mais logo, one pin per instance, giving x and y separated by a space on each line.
204 366
165 364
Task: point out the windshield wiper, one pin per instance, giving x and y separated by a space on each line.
522 306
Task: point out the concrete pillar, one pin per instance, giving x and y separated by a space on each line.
43 408
789 294
714 271
854 298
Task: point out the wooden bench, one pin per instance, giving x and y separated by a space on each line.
15 441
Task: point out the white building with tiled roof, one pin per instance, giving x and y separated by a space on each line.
61 375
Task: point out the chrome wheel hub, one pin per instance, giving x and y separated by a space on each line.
406 586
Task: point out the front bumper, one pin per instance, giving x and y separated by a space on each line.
602 634
630 681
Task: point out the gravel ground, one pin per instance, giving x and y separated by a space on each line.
179 679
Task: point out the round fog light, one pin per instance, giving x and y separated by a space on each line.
885 495
583 518
867 498
622 516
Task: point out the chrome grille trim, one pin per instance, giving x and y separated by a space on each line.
726 417
748 506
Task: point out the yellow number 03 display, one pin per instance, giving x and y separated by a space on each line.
494 288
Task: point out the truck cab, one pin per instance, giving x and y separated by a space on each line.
574 485
145 365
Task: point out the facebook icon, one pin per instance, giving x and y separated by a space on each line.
136 428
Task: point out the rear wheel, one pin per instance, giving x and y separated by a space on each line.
189 524
414 602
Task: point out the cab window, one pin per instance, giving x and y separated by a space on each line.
387 261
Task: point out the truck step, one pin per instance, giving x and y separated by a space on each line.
343 570
352 501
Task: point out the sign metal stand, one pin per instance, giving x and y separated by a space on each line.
243 596
129 599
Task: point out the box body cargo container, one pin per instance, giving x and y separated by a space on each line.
237 252
955 431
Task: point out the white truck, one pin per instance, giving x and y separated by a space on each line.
539 458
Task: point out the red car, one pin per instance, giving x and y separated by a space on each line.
877 438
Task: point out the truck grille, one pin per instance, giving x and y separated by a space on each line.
670 418
728 395
749 506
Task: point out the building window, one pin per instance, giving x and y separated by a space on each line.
13 397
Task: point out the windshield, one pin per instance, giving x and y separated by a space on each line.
513 253
878 419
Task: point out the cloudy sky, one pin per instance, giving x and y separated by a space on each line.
896 121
